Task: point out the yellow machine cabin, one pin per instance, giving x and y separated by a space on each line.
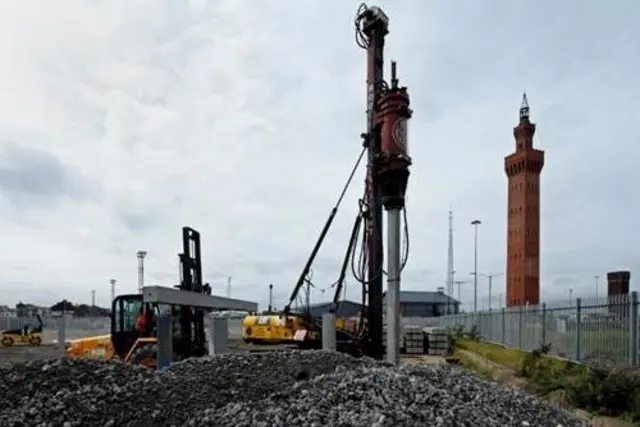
275 329
269 329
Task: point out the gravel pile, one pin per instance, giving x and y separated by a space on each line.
262 389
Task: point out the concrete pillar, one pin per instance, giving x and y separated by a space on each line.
62 334
165 340
394 327
218 339
328 331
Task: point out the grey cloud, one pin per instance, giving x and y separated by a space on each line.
31 176
138 221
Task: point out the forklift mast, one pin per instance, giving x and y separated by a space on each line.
191 318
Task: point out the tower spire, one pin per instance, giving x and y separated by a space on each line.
524 107
450 271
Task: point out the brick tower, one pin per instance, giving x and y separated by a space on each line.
523 169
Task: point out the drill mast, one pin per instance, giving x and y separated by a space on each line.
371 29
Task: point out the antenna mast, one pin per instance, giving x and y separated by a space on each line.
450 271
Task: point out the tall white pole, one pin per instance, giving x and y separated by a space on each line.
450 257
112 282
141 255
475 224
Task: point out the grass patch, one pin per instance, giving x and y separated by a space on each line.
610 392
469 363
508 357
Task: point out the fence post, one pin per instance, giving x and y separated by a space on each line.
520 326
544 324
578 329
503 326
633 328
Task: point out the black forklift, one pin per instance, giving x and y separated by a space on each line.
139 345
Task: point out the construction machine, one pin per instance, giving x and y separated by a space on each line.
27 335
385 143
134 338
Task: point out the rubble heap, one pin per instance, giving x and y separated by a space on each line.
313 388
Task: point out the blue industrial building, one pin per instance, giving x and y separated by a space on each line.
412 304
344 309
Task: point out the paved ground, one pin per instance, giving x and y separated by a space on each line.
23 353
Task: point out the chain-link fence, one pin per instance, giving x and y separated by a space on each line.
599 330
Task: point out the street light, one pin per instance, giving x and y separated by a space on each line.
597 279
475 224
490 277
457 283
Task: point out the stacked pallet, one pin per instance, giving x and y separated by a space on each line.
403 340
414 340
420 340
437 341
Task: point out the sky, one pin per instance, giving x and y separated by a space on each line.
121 122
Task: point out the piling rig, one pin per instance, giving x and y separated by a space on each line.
385 143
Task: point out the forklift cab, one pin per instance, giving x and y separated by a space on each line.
126 309
124 334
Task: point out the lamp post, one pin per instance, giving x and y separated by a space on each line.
597 285
475 224
490 278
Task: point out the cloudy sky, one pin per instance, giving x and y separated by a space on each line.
121 122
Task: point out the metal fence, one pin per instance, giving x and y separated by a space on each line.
592 330
80 327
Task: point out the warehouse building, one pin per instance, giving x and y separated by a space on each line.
426 304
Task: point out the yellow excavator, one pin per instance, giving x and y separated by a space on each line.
27 335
